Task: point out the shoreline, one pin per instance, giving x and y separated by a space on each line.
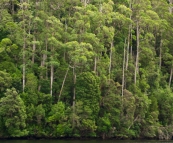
76 138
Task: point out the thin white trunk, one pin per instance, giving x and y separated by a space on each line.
45 58
137 52
129 39
24 65
39 88
24 47
124 58
170 77
131 51
128 47
170 8
51 73
63 84
133 122
51 78
33 50
45 54
110 59
85 2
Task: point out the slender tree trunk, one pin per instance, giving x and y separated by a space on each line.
45 54
131 51
24 64
129 39
128 46
51 72
133 122
33 50
24 47
170 77
85 2
131 35
51 78
45 57
170 8
43 63
63 84
39 87
137 52
110 58
124 58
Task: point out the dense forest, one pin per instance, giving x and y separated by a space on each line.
86 68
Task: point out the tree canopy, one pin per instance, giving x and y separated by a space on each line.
86 68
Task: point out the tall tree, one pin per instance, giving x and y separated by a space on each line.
25 15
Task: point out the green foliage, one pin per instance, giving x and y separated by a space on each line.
104 125
87 91
111 48
88 97
57 112
164 98
31 82
5 80
13 114
128 115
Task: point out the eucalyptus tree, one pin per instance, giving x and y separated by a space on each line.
170 39
79 50
143 42
123 22
79 54
54 43
161 34
25 16
43 34
143 16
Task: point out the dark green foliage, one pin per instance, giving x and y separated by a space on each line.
13 114
87 91
5 81
87 106
110 107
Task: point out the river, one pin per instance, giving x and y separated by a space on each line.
84 141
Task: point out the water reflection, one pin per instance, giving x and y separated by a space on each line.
83 141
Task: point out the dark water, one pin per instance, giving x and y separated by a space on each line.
83 141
